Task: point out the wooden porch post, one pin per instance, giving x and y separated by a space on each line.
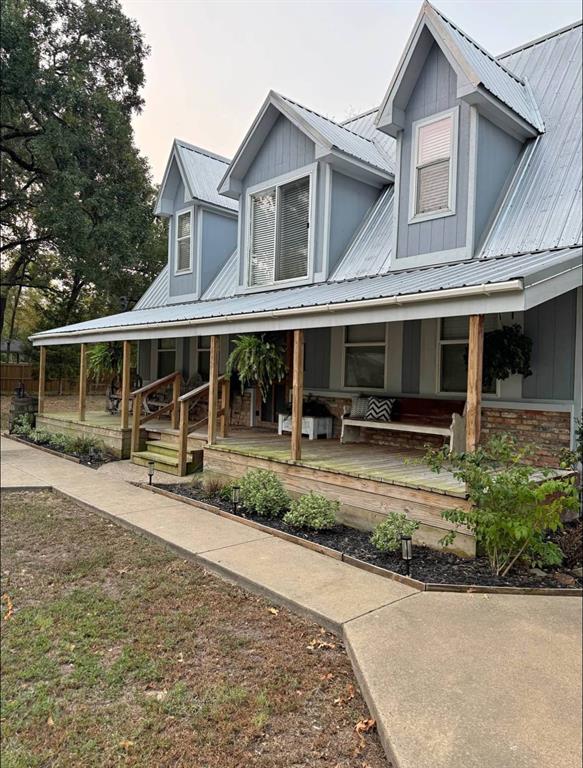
82 382
213 390
225 414
125 384
474 388
297 396
42 372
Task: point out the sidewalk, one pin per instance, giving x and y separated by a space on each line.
454 680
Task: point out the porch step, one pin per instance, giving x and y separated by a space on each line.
165 457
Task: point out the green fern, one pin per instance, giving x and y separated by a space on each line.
256 360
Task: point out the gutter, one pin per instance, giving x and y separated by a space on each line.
485 289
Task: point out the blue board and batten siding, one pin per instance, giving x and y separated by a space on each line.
434 92
498 154
218 241
184 284
350 202
552 328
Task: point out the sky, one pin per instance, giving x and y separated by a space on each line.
212 64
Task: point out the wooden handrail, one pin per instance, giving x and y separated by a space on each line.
171 407
197 391
155 384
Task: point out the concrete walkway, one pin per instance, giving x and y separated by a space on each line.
454 680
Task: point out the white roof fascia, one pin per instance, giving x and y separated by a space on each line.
174 156
355 168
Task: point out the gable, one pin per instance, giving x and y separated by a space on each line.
504 97
284 149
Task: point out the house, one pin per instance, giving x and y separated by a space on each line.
380 251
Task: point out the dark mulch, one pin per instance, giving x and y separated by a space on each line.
428 565
89 460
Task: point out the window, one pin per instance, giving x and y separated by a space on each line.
365 349
433 183
183 262
166 357
279 237
453 347
204 357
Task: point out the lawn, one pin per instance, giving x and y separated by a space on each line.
115 652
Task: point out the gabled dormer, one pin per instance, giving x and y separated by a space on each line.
461 120
202 225
305 184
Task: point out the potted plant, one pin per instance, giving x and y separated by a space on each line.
256 359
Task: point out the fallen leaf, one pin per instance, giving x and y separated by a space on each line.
50 721
274 611
328 676
365 726
9 606
126 744
319 645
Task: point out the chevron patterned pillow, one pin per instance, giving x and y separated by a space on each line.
379 408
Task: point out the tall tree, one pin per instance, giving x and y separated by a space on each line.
76 205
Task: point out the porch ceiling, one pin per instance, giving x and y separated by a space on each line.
511 283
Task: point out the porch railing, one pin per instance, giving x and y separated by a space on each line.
138 397
185 428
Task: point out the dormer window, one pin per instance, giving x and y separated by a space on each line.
183 255
433 169
279 240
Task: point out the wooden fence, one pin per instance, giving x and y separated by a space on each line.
12 374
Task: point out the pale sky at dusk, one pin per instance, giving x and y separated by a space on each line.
212 63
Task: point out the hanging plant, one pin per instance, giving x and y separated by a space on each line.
104 360
507 351
256 360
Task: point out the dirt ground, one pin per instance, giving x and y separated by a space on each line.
115 652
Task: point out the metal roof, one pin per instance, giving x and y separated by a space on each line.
225 283
157 293
369 253
496 77
542 208
477 272
204 170
345 138
365 125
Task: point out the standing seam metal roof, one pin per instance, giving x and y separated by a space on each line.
418 281
204 172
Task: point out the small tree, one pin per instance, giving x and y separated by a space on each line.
513 505
255 359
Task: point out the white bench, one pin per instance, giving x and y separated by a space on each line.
455 432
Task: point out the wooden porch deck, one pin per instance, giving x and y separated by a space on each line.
363 460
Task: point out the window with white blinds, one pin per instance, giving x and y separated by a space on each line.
433 158
183 242
279 237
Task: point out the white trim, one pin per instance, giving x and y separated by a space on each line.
430 258
306 171
578 378
472 178
384 344
396 199
415 217
177 215
199 225
450 343
326 218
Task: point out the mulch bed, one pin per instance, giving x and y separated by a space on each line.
87 459
429 565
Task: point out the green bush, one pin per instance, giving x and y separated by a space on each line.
23 425
82 445
263 493
513 505
386 536
312 511
61 442
39 436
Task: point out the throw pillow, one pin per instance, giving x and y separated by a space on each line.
379 408
359 407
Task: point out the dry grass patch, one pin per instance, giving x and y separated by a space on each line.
118 653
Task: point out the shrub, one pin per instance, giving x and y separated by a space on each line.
23 425
312 511
61 442
263 493
82 445
386 536
39 436
513 505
